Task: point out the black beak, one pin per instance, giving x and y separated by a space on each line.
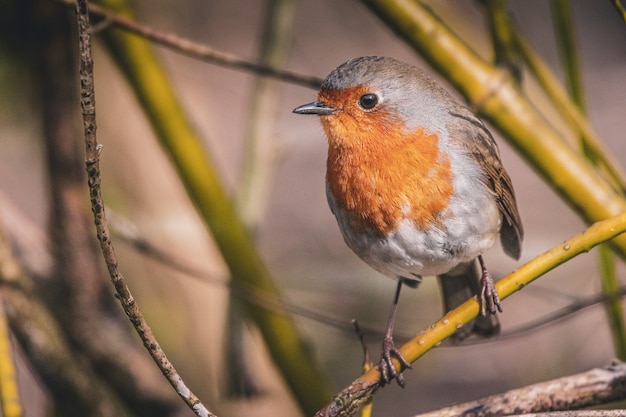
317 107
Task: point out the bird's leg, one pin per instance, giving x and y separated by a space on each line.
387 368
489 300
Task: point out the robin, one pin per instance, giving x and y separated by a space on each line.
417 186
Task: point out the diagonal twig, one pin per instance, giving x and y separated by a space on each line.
198 50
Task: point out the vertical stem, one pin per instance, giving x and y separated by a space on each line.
564 30
502 36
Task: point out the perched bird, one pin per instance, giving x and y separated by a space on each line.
417 186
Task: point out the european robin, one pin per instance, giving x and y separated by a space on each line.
417 186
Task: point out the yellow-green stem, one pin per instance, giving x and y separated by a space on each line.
360 391
491 92
564 31
9 391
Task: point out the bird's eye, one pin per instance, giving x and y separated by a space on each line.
368 101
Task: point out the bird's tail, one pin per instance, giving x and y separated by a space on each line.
458 286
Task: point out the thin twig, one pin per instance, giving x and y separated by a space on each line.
128 232
199 51
88 105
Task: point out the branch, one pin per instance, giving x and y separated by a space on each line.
187 151
552 87
75 388
9 390
591 388
502 37
88 105
199 51
348 400
621 11
130 234
583 413
495 96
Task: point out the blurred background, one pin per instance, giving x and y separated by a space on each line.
294 230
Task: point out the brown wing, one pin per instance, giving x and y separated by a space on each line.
482 147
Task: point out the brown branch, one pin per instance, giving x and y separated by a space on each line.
584 413
591 388
75 388
74 288
88 105
199 51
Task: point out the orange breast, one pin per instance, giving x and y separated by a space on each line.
380 175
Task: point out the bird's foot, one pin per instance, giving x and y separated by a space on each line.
489 300
387 368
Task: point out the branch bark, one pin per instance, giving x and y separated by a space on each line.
88 105
199 51
587 389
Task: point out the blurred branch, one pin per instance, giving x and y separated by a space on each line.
620 9
564 32
554 316
9 390
260 152
128 233
603 158
75 289
260 146
75 389
502 37
350 398
496 97
135 58
197 50
613 305
88 105
579 413
588 389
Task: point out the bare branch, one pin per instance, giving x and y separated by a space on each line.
9 390
584 413
200 51
75 388
88 105
591 388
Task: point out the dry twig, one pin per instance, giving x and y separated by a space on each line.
88 105
597 386
200 51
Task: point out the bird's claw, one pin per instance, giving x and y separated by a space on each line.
489 299
387 368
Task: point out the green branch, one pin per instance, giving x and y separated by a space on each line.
496 97
564 32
